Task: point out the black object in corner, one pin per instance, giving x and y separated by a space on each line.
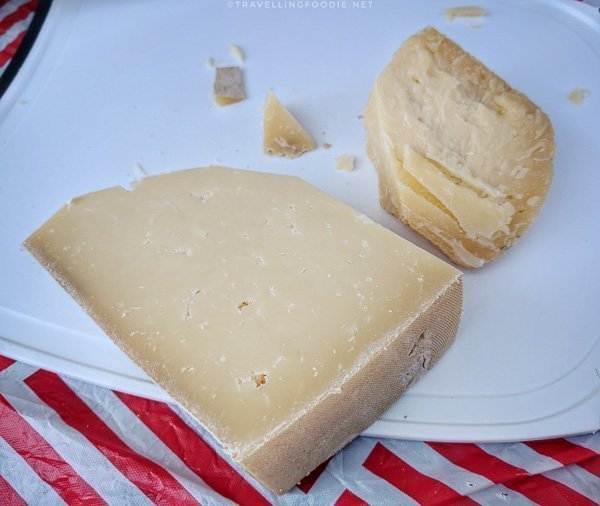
26 44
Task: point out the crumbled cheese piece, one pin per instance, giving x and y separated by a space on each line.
345 162
236 52
326 145
578 95
465 12
229 85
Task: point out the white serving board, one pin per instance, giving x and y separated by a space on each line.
110 83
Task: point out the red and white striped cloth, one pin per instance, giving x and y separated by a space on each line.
15 17
66 441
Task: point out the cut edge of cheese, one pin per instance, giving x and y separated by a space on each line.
477 216
334 420
399 199
283 135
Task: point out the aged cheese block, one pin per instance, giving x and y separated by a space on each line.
283 320
462 157
282 134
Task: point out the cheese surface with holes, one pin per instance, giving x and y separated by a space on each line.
285 321
462 157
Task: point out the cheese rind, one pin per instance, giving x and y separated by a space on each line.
459 153
282 134
228 87
265 307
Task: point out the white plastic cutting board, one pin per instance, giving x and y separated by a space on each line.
110 83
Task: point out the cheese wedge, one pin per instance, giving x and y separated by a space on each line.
462 157
282 134
283 320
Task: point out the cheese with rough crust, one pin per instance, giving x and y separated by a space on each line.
228 87
462 157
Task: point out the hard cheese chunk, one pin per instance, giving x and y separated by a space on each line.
283 320
228 87
282 134
462 157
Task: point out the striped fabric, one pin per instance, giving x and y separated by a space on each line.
15 17
66 441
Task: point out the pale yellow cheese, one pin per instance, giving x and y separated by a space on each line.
462 157
228 87
237 52
578 95
467 11
478 217
283 320
282 134
345 162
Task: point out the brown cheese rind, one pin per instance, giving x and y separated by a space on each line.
228 87
338 419
479 152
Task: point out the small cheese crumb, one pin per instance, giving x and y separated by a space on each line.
236 52
464 12
326 145
578 95
345 162
228 87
